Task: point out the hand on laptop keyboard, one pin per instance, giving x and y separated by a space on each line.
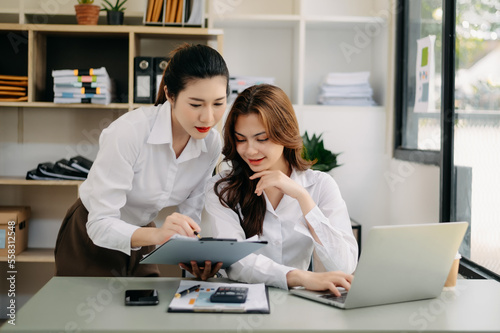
320 281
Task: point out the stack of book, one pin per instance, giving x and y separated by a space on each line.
346 89
82 86
76 168
13 88
239 83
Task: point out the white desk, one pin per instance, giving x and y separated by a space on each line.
68 304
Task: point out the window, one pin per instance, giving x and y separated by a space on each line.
459 127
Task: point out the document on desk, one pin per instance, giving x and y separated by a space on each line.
185 249
199 301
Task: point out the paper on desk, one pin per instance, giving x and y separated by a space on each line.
199 301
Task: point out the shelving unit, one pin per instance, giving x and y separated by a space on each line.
38 130
299 41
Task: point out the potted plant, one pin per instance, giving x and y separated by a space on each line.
114 13
314 150
86 12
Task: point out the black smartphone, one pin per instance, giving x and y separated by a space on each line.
141 297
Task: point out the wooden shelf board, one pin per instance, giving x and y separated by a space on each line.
33 255
121 106
35 11
20 181
67 29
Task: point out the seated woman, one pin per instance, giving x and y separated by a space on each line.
271 193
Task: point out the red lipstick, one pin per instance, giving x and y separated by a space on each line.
203 129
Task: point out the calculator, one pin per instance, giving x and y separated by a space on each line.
229 295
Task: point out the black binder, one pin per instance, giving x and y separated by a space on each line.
81 163
46 170
63 167
143 80
160 63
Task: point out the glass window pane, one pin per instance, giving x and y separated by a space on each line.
421 120
477 129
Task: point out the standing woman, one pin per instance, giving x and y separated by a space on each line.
271 193
148 159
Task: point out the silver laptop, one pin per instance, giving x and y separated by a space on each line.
399 264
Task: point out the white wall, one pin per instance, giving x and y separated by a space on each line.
413 192
358 133
377 189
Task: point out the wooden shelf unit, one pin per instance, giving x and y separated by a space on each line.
35 50
44 48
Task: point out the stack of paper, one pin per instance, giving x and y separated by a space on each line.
199 301
346 89
82 86
13 88
239 83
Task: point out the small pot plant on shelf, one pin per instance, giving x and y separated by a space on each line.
114 13
314 150
86 12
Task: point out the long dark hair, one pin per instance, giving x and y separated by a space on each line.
235 190
190 62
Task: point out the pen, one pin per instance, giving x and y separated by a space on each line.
187 291
197 234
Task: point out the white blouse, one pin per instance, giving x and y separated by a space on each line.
290 244
136 174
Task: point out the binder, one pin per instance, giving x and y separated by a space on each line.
143 80
157 9
13 88
76 168
160 63
63 166
81 163
180 12
47 170
194 12
101 71
149 11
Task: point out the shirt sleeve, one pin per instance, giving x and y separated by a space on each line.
193 205
108 182
330 220
254 268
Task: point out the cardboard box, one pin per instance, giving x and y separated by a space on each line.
17 216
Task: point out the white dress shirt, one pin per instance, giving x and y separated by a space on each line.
290 243
136 174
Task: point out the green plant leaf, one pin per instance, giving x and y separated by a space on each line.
314 150
118 6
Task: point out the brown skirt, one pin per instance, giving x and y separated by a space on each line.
77 255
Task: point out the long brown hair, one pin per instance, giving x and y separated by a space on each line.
190 62
235 190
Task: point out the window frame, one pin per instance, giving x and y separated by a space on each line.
400 94
444 158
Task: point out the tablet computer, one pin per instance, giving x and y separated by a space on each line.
185 249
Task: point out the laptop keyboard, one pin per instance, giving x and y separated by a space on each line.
340 299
